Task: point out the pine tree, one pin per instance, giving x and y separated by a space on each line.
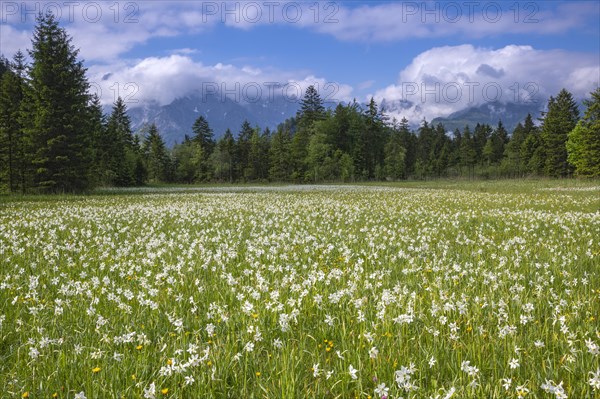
55 111
222 159
117 156
13 162
97 129
203 134
561 118
157 158
242 149
583 143
468 154
395 154
515 162
311 108
279 155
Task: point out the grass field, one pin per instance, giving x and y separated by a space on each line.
434 290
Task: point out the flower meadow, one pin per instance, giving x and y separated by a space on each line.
314 292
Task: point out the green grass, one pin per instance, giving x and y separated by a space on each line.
246 290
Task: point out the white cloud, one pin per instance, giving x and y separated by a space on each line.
447 79
163 79
108 30
19 40
404 20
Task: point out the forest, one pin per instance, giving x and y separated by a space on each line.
54 137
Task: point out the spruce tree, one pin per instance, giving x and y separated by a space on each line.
279 155
117 154
583 145
203 134
55 111
156 155
561 118
395 154
13 162
311 108
242 149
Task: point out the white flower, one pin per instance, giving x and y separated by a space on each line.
80 395
353 372
189 380
595 380
432 362
506 383
249 347
315 369
381 390
33 352
539 344
450 393
373 352
150 391
514 363
329 320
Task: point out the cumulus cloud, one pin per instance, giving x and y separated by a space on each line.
163 79
446 79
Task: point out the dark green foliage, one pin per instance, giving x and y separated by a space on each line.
54 112
156 156
561 118
583 145
13 165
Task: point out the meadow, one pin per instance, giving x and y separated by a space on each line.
466 290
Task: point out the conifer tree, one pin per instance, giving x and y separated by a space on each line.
561 118
583 145
13 165
55 111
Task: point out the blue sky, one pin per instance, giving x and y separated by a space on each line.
392 50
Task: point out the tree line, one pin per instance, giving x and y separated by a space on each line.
54 137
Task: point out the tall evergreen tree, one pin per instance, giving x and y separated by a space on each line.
279 155
13 163
243 149
583 145
468 154
561 118
55 113
515 164
223 158
203 134
395 154
311 108
156 155
116 151
97 129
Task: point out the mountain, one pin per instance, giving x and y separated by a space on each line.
510 114
175 120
